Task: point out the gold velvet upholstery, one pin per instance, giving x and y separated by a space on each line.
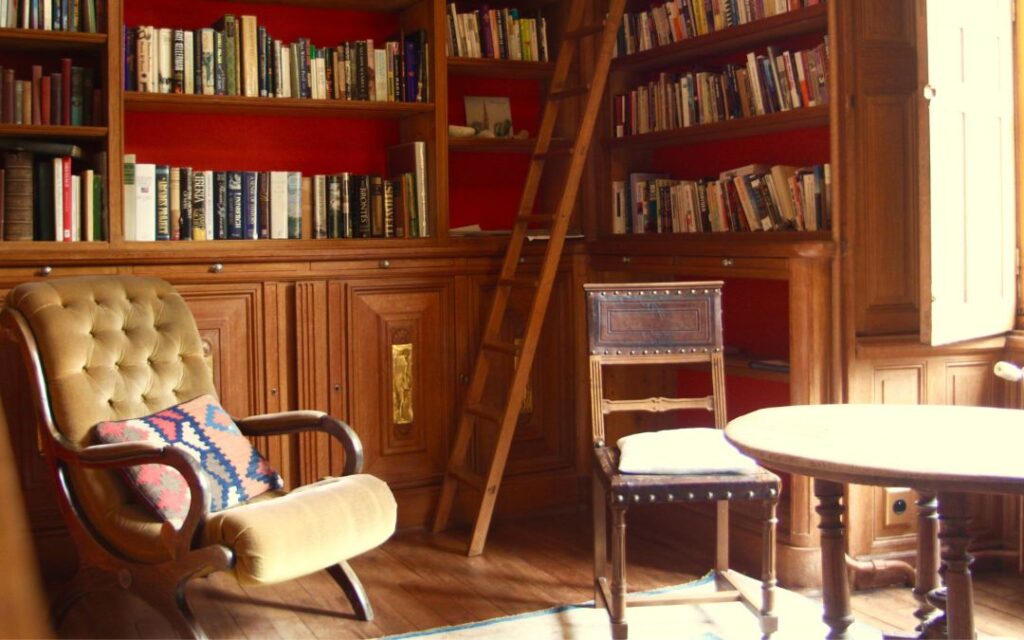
115 347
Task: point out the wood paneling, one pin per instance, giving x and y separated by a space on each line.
544 438
416 312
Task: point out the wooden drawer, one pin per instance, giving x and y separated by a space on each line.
207 270
15 275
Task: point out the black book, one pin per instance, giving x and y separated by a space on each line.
220 77
234 204
130 61
362 71
185 186
178 61
364 205
42 224
334 200
261 53
250 204
220 205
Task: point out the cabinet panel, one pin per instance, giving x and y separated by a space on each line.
400 357
915 375
877 175
544 434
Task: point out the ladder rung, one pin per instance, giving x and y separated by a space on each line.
553 153
559 94
584 31
503 347
530 283
485 412
466 476
543 218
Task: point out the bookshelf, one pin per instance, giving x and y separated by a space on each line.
778 283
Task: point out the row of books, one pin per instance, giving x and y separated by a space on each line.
163 202
756 197
770 82
497 33
65 97
676 20
53 15
238 57
51 197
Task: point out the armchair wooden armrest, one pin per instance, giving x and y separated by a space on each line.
127 454
273 424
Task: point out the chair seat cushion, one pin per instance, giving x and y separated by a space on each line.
234 470
680 452
280 537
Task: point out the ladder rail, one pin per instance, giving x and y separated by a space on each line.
544 282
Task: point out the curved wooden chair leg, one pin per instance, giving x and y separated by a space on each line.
349 582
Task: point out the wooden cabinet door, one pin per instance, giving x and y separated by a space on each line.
399 375
545 432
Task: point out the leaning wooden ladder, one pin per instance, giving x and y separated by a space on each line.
491 345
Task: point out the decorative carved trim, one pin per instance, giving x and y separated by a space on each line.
655 405
402 374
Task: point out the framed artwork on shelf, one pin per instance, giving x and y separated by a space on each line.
489 116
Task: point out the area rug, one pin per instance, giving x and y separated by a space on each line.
799 617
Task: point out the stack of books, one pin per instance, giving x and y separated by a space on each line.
53 15
68 96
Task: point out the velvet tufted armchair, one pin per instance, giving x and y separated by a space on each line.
109 348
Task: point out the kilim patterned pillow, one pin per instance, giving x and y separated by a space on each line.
235 471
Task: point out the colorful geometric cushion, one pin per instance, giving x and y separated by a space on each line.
235 471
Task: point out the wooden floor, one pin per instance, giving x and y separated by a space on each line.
419 581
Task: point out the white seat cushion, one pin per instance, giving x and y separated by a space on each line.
681 451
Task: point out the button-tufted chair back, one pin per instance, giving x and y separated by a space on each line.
112 347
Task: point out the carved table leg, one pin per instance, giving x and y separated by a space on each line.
927 557
835 586
956 563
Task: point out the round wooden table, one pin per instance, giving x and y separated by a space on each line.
941 451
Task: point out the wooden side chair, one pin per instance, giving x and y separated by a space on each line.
157 484
677 323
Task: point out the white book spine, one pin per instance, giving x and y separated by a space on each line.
145 202
76 209
128 204
279 205
190 63
208 203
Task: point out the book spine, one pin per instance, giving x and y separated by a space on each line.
18 196
250 201
263 204
185 221
279 205
68 217
294 205
230 30
219 70
174 200
163 202
198 205
346 230
220 205
319 196
235 206
65 71
376 207
365 207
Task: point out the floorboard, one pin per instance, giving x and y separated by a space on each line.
418 580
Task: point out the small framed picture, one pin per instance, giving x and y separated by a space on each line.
489 113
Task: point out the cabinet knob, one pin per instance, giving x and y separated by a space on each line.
464 379
928 92
384 264
337 387
216 267
727 262
45 270
273 391
626 259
